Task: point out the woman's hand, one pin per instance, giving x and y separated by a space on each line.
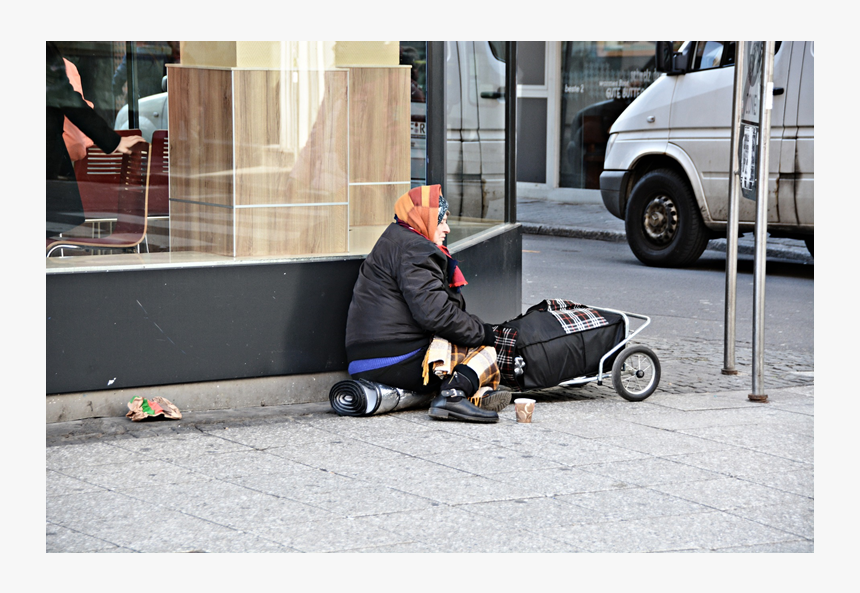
126 142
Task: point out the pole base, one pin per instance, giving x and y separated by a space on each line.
729 371
758 398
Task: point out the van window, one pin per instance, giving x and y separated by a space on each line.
714 54
717 54
498 49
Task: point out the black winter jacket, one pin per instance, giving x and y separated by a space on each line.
402 299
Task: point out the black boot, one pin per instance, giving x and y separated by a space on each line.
452 404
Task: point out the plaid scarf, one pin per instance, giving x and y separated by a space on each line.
442 356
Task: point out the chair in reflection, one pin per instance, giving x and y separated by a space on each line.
113 188
158 175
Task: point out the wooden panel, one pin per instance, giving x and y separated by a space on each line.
284 154
263 160
294 231
379 124
201 135
367 53
374 204
200 227
321 170
208 53
363 238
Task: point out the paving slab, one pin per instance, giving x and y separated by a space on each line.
624 504
457 530
556 482
533 514
495 459
365 500
650 471
694 531
59 484
728 493
752 465
63 539
800 481
468 489
794 518
299 485
334 535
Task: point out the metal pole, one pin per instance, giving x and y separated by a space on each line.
511 131
732 223
763 172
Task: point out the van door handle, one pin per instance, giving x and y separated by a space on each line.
492 95
778 90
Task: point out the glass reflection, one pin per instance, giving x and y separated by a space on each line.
476 95
599 80
284 149
414 54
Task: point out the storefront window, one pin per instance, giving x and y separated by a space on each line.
414 55
476 95
599 80
272 150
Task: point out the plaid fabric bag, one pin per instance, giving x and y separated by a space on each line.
573 317
558 340
506 343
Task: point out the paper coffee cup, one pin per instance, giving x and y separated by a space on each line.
525 408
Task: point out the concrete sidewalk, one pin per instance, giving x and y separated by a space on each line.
592 473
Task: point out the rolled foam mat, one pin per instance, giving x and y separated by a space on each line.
358 397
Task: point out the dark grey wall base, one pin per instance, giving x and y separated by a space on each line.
118 330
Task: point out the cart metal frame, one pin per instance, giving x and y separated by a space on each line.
600 374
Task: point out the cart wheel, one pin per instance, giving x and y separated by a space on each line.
636 373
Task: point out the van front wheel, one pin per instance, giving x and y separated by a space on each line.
663 224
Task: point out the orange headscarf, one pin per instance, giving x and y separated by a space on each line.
419 208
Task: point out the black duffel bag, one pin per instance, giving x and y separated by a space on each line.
557 340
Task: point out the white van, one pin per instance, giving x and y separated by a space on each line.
475 162
666 170
475 167
152 113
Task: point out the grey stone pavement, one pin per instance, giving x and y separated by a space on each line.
696 467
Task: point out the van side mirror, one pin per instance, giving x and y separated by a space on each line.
164 84
663 56
672 62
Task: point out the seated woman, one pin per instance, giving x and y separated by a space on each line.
407 307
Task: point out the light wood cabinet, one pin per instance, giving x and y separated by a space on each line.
285 163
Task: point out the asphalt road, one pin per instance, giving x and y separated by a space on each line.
683 303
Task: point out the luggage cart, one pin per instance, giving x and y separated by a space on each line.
636 370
